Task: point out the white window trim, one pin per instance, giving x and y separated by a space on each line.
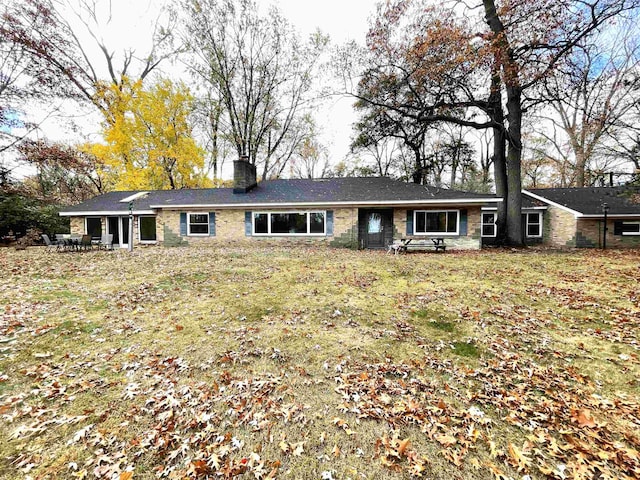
632 234
441 234
86 230
483 223
149 242
539 223
189 234
269 234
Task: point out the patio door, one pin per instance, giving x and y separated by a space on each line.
119 228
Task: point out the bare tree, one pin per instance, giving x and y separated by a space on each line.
311 160
22 78
44 35
591 94
261 72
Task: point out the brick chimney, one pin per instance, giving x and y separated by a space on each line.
244 175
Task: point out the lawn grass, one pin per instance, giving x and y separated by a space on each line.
308 363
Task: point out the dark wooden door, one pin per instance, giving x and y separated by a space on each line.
375 228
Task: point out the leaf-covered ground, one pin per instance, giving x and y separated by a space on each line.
312 363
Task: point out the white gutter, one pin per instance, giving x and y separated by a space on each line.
545 200
523 208
106 213
329 204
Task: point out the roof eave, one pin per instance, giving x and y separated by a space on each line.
460 201
611 215
554 204
103 213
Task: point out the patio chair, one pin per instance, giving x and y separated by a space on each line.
48 243
62 241
85 242
106 241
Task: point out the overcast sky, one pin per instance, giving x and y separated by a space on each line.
132 21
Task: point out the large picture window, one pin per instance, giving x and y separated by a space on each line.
631 228
534 224
198 224
94 227
429 222
489 225
147 229
289 223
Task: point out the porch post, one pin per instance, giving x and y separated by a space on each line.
130 248
605 210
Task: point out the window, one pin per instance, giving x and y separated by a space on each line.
631 228
429 222
489 225
147 229
289 223
197 224
94 227
534 224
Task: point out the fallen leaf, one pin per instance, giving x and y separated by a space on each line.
402 446
584 419
336 451
297 449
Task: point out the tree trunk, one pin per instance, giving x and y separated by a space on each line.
514 164
500 179
510 72
418 173
581 166
499 153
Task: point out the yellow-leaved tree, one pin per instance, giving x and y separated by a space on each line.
148 138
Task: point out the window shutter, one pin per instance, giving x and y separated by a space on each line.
617 227
329 223
463 223
212 224
409 222
247 224
183 224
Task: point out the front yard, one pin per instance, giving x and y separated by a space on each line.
304 363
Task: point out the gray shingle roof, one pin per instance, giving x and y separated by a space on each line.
588 201
272 192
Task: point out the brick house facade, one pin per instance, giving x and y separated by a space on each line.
575 217
368 212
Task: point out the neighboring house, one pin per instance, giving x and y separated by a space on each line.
574 217
351 212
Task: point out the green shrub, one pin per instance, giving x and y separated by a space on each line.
18 214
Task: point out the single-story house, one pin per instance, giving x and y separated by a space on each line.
352 212
575 217
368 212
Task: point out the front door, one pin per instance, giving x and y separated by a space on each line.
376 228
119 228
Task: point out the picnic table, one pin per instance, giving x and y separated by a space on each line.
406 244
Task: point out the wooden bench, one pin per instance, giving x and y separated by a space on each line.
437 244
